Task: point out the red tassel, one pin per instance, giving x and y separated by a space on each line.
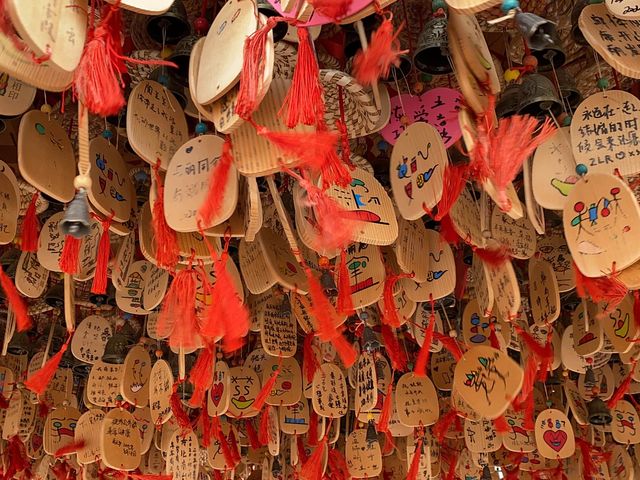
15 301
338 465
412 474
448 232
312 469
499 152
606 289
384 51
389 445
229 458
335 172
501 424
450 344
441 427
454 178
264 433
99 284
4 403
218 180
344 304
387 407
178 315
309 361
461 277
176 407
207 430
39 381
68 262
420 368
302 453
493 338
328 321
312 434
253 69
493 256
304 103
390 313
334 9
167 250
623 388
201 376
530 372
30 227
233 446
254 441
264 393
18 460
636 307
345 148
392 347
69 449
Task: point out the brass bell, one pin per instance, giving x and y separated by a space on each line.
117 347
432 53
181 56
170 27
169 78
372 435
537 31
55 295
370 341
328 284
76 217
509 100
568 88
401 71
599 413
538 97
281 28
551 56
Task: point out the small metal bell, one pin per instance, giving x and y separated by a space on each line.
509 100
599 413
328 284
396 74
372 434
538 97
369 340
55 295
170 27
432 53
276 468
281 28
81 369
576 33
568 88
590 378
180 56
486 473
552 56
100 299
76 217
20 344
169 78
537 31
117 347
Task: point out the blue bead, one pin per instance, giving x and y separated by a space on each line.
603 83
163 80
107 134
383 145
510 5
141 176
581 169
437 4
201 128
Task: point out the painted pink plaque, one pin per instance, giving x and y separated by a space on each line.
317 18
438 107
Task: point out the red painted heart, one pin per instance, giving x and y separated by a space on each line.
555 440
216 393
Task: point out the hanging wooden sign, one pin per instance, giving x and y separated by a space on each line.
443 365
288 387
294 419
31 277
281 261
464 217
366 273
136 373
256 275
329 392
219 394
364 458
620 465
420 324
366 391
411 248
88 431
554 170
575 362
552 247
625 9
11 423
482 289
604 380
123 260
481 436
619 325
8 207
59 427
183 456
554 435
145 427
120 443
155 287
16 97
518 236
441 272
587 331
416 401
90 338
129 298
160 389
575 402
544 296
625 423
244 388
103 384
517 438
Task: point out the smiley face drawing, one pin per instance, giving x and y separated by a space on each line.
245 386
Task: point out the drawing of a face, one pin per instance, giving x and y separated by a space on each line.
478 327
63 426
624 422
242 391
593 218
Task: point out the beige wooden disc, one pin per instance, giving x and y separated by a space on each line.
534 211
160 389
506 290
588 337
625 9
544 296
281 261
38 133
307 225
123 260
474 94
411 248
55 28
514 205
482 289
487 379
183 456
417 163
416 401
552 247
88 430
215 456
31 278
12 416
576 402
145 427
156 125
44 75
59 427
603 133
369 206
294 419
464 217
222 52
194 67
244 388
366 391
187 184
575 362
518 235
145 7
88 254
619 326
600 219
613 46
256 275
202 300
421 323
481 436
16 96
517 438
155 287
136 372
9 207
27 422
366 273
475 52
364 458
120 443
554 435
111 186
59 389
34 443
442 369
329 392
129 298
554 170
90 338
288 387
219 394
278 332
441 274
103 384
620 464
475 324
